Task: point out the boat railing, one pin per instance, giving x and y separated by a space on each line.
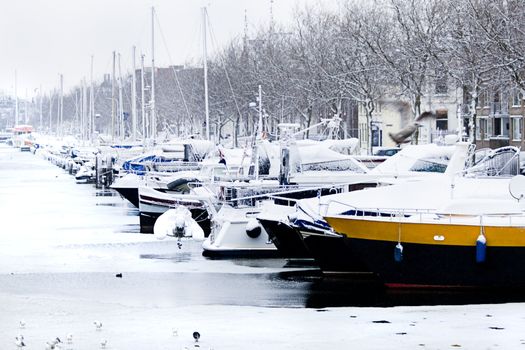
376 211
422 213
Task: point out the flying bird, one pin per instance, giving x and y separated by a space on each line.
403 135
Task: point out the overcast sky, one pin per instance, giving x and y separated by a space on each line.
43 38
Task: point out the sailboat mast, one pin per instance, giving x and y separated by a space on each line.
153 117
92 103
61 107
142 98
120 102
134 99
205 63
40 107
82 109
16 100
260 111
113 99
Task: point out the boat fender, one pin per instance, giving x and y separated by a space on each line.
481 248
398 253
253 229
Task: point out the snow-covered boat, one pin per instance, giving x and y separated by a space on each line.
413 163
177 223
476 238
236 233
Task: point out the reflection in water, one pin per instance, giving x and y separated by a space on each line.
343 290
105 193
181 257
110 204
133 228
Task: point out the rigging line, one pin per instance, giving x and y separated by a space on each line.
214 43
173 67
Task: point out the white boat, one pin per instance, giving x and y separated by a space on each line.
177 223
236 233
412 164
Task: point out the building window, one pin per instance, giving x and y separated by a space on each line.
517 125
442 119
501 126
484 131
516 98
484 99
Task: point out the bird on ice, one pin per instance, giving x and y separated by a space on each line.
98 325
175 332
103 343
22 324
69 338
196 336
19 342
54 344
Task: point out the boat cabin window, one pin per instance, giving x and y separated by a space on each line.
430 166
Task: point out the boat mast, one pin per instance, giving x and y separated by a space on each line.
153 117
91 104
51 96
82 109
134 99
40 107
205 63
25 109
260 112
16 101
113 100
61 107
76 124
142 97
120 103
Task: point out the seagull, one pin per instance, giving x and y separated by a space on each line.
402 135
54 344
69 338
196 336
98 325
103 343
22 324
19 342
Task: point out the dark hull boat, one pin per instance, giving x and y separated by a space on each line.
286 238
405 252
333 253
